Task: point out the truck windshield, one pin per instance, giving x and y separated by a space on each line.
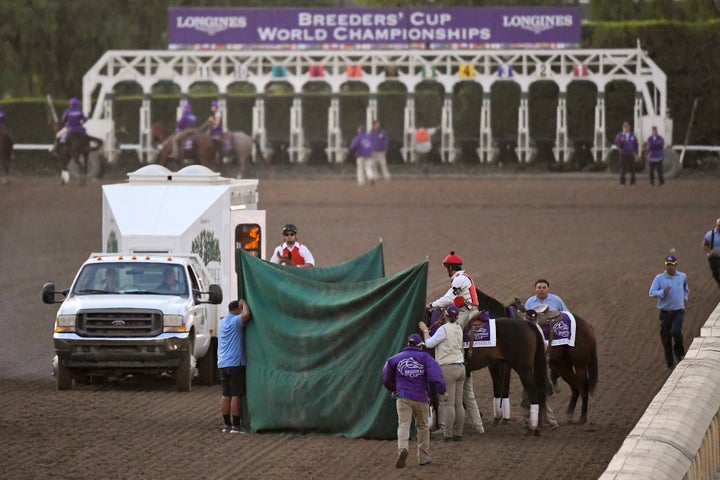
131 278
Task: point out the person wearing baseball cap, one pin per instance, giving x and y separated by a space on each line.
298 254
408 375
671 289
462 294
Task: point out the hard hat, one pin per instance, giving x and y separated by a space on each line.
452 259
289 228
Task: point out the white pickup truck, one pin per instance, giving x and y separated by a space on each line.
136 313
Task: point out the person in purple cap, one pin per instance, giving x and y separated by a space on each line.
671 289
448 344
408 375
626 142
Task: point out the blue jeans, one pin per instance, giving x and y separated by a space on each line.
671 330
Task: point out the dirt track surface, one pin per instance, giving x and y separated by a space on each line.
598 244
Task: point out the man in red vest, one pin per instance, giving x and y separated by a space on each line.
298 254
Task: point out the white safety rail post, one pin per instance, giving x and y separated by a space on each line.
561 141
371 111
600 144
334 150
258 122
447 135
296 149
147 151
109 139
408 149
485 148
523 138
638 118
222 108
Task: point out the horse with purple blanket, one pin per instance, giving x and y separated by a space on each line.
518 345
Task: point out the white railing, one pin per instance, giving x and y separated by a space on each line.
678 436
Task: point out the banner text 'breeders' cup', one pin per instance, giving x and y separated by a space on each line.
229 27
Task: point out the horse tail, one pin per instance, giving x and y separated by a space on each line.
98 143
540 367
593 371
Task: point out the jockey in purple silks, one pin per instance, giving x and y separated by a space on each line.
72 120
187 119
184 127
216 120
2 120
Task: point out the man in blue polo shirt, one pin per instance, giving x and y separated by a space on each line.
231 363
671 290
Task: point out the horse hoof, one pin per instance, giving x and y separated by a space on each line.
496 421
582 420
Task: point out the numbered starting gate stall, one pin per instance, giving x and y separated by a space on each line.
373 68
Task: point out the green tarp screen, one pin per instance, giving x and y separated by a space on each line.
368 266
315 349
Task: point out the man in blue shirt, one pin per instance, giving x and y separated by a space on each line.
544 297
408 375
711 246
671 290
231 363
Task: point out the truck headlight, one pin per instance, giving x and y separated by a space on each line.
173 323
65 324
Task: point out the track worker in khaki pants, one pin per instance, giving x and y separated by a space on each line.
408 375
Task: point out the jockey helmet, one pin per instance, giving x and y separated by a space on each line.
214 104
452 311
73 102
187 107
415 340
289 228
452 259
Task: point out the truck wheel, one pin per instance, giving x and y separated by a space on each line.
207 365
185 371
64 377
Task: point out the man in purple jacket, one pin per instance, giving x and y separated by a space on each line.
408 376
363 148
655 154
627 143
380 144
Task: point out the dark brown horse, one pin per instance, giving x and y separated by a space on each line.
6 154
519 345
194 147
577 365
77 147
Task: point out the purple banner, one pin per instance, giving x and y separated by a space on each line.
392 27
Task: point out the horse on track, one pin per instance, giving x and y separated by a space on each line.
77 147
195 147
519 345
577 365
235 150
6 154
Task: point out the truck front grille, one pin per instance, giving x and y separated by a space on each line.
137 323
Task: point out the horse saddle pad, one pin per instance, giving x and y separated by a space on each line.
485 335
563 330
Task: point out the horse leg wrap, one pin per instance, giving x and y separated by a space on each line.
65 176
506 408
534 409
497 409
